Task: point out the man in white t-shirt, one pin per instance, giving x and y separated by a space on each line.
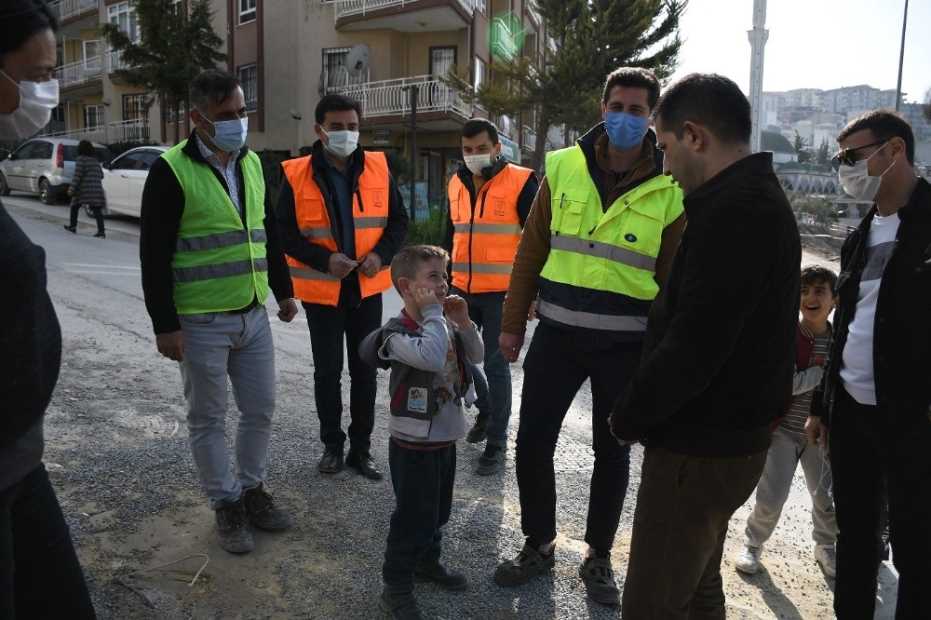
876 392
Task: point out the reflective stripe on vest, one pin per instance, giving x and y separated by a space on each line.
612 252
370 205
589 320
219 263
603 250
485 238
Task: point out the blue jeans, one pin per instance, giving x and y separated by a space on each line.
238 346
494 398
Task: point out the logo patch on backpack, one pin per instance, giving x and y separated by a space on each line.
417 400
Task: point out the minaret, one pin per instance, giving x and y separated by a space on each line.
758 37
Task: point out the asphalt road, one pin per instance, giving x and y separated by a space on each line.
117 452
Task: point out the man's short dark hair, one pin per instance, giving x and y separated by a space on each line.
885 125
212 86
813 275
335 103
710 100
634 77
408 260
475 126
20 20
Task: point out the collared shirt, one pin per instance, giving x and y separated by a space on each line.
228 172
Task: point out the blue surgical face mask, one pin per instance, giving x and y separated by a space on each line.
625 131
229 136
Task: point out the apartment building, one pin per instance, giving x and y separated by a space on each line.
289 53
95 103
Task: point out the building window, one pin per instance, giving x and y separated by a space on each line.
134 107
442 61
246 11
479 78
123 16
177 6
335 71
93 116
248 78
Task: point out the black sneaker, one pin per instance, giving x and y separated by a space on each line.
233 528
479 430
262 512
598 577
332 461
72 229
400 606
441 576
528 564
491 461
364 465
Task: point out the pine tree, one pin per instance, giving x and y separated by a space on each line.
174 46
592 38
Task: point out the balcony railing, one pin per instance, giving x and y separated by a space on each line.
75 73
392 97
66 9
350 8
115 61
121 131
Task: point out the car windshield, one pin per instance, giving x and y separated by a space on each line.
103 154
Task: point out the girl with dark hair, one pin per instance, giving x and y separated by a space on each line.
87 188
40 576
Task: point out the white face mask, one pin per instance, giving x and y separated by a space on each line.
343 143
36 102
856 179
477 163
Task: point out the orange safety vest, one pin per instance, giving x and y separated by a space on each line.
485 240
369 214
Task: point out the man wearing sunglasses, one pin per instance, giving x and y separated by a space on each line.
872 408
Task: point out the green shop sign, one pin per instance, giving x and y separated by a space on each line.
507 37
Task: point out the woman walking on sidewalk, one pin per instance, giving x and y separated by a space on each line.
87 187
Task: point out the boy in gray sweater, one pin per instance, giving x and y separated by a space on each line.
429 355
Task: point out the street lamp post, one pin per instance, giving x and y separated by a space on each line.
414 91
898 88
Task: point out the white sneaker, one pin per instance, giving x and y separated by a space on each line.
749 560
826 556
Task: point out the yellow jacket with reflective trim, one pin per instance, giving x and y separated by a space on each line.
612 251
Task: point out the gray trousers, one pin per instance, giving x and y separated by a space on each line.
238 346
785 453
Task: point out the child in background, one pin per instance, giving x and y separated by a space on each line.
429 355
790 446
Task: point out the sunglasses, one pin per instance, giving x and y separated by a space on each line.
845 157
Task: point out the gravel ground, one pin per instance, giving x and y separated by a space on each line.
118 456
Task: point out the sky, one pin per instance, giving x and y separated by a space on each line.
812 43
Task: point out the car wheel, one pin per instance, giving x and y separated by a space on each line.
45 192
4 186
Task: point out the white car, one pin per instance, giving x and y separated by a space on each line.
124 178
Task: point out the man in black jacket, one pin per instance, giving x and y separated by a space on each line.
718 357
876 393
342 220
40 576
